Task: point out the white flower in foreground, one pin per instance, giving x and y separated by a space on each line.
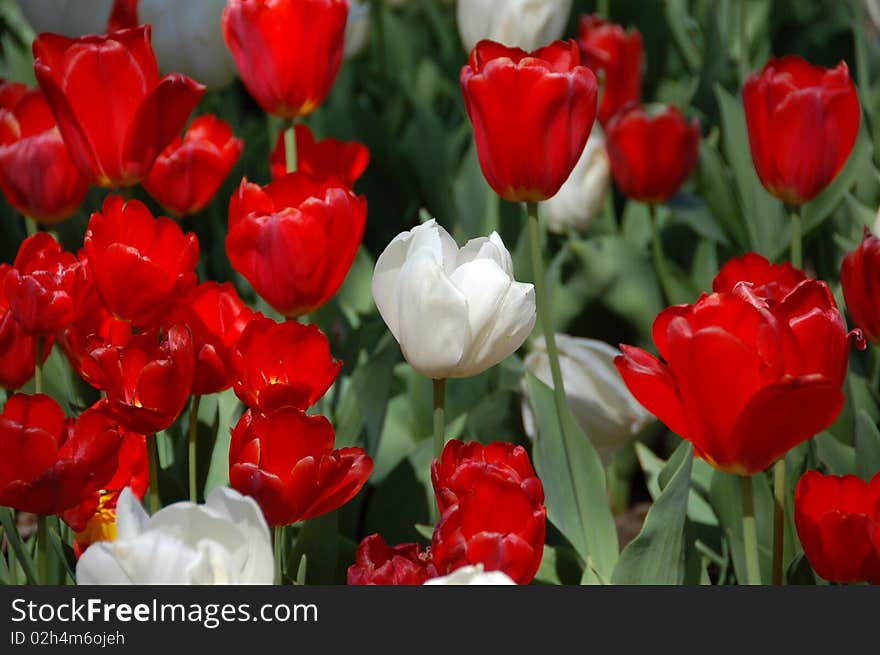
582 197
357 27
608 413
71 18
188 39
224 541
527 24
472 575
454 312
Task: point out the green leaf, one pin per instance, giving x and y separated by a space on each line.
228 407
7 518
371 383
355 297
699 509
317 540
64 553
839 458
867 442
574 483
656 555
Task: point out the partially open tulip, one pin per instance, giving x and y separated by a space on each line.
329 159
18 349
454 311
46 287
615 56
116 115
652 154
224 541
860 278
583 195
188 39
773 282
147 381
128 249
526 24
282 364
746 376
50 463
492 510
188 173
288 52
216 316
377 563
37 176
834 515
527 154
295 239
788 101
286 461
471 576
69 17
605 409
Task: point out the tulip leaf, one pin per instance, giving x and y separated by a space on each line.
228 410
867 442
654 468
371 383
838 457
7 518
317 541
574 483
657 554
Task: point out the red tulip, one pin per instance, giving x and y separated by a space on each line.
288 52
860 278
114 112
492 510
617 54
46 287
123 15
147 381
142 265
36 174
286 461
216 317
772 282
188 173
282 364
330 159
652 155
49 463
746 377
803 121
532 114
18 349
377 563
132 470
295 239
833 515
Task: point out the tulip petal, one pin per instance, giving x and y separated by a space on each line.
653 385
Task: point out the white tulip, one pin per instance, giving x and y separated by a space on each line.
583 195
527 24
454 312
877 223
71 18
188 39
596 394
224 541
357 27
472 575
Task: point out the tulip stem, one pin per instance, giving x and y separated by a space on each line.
439 417
604 9
193 443
750 536
278 534
38 365
42 553
778 519
797 257
290 156
153 456
743 42
659 255
544 316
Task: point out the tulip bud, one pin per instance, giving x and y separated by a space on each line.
583 194
224 541
472 575
605 409
454 311
188 39
526 24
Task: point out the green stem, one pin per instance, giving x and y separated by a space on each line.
439 417
38 365
153 456
797 257
12 564
875 366
750 536
659 256
42 550
778 519
193 448
604 9
544 316
290 156
743 43
278 534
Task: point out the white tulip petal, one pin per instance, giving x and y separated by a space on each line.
526 24
131 518
472 576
